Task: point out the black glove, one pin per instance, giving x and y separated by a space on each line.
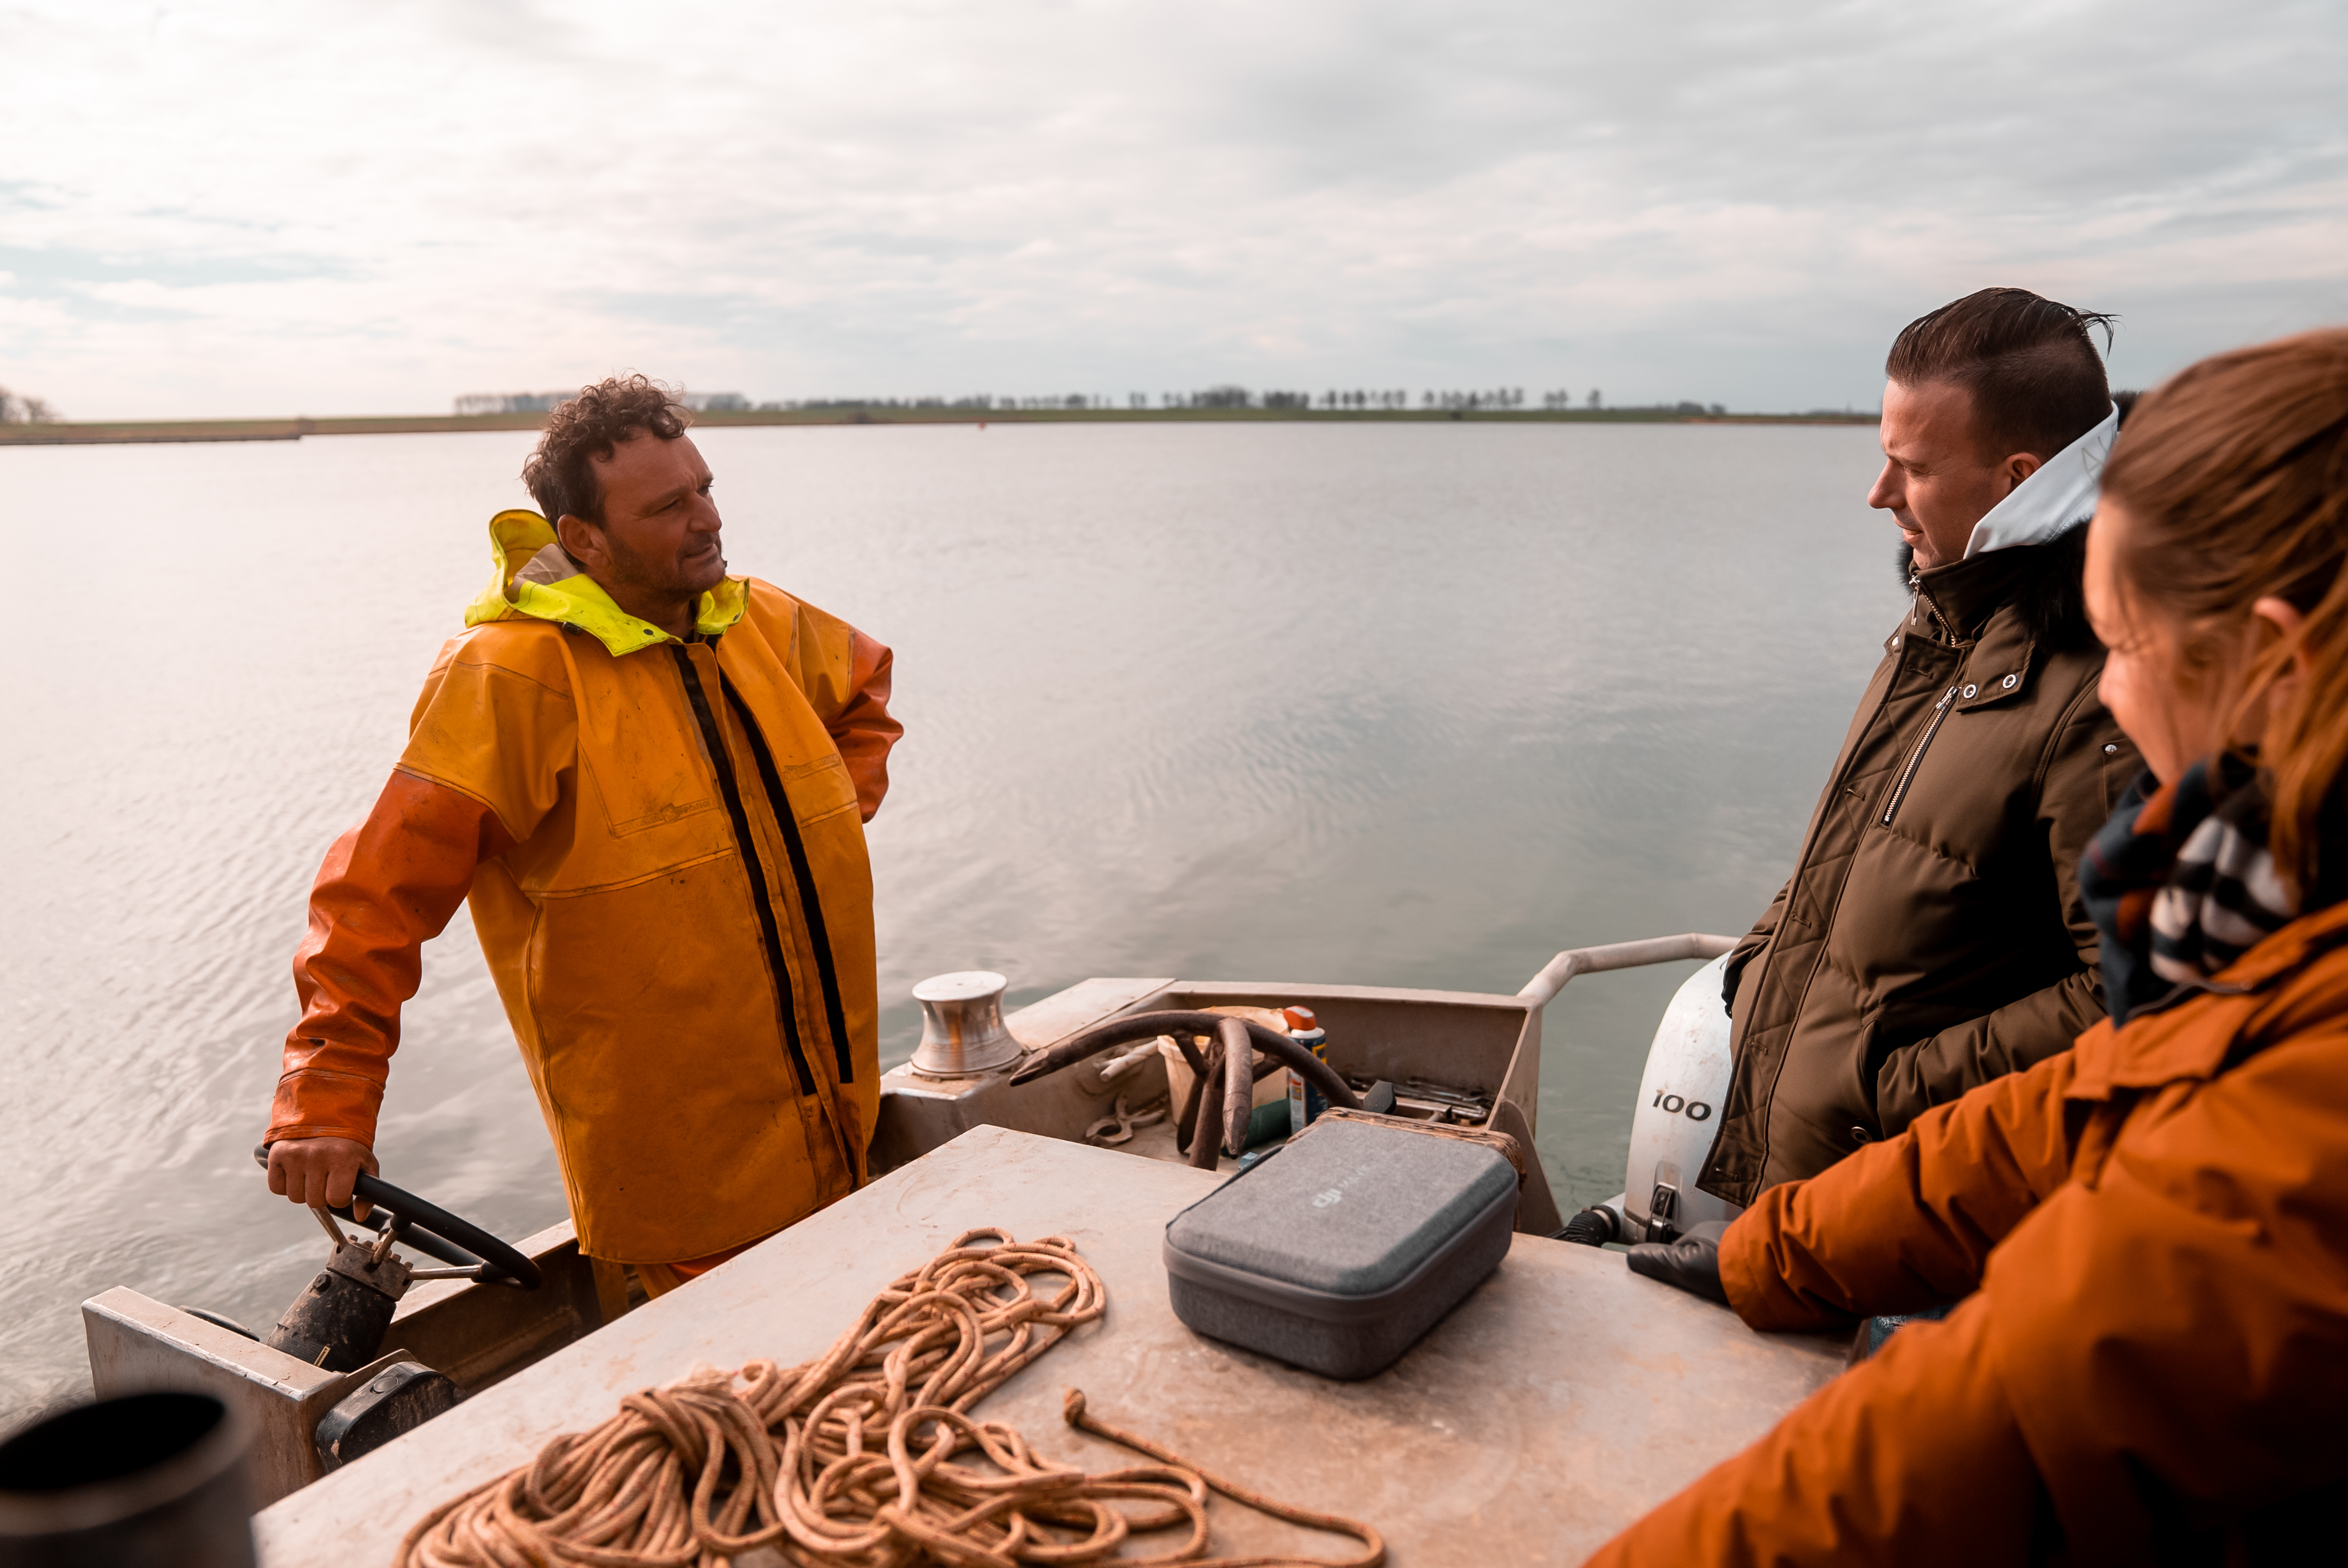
1690 1263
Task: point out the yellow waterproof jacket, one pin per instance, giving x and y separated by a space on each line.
663 846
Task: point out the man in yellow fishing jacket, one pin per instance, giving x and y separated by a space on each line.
651 779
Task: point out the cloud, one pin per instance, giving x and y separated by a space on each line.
260 208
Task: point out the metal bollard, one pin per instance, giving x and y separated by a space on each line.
962 1031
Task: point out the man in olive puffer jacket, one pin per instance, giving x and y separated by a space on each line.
1932 936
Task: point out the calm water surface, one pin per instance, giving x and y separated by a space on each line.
1416 704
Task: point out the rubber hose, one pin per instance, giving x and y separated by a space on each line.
1183 1026
1204 1134
1239 1084
1590 1227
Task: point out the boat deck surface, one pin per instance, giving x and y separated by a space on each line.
1560 1400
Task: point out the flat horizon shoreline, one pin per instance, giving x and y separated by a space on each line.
129 432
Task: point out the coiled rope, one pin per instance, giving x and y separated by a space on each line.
851 1458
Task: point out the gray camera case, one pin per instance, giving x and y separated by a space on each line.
1338 1250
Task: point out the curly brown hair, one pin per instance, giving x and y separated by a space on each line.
560 473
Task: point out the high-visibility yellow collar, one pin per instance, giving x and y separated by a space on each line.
535 581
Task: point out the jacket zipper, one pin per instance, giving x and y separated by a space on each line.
1916 758
714 740
835 1015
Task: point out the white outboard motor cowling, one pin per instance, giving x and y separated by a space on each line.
1678 1113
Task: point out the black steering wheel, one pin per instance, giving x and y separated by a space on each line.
433 1231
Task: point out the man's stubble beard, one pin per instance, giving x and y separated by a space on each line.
673 579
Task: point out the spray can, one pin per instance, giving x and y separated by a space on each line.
1305 1101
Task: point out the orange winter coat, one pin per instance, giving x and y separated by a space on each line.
663 845
2155 1365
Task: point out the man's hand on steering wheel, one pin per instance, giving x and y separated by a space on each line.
319 1172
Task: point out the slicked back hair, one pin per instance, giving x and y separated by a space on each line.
2037 381
560 473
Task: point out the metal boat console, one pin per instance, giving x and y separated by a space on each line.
354 1363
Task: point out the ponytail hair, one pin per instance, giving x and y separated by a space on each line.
2234 479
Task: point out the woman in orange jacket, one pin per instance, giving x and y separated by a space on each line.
2147 1236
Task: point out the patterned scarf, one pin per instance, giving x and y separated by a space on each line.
2181 883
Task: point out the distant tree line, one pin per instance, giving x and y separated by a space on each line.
1232 395
979 403
23 408
1497 398
513 402
545 402
1223 395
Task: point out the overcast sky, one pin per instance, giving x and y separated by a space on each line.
255 209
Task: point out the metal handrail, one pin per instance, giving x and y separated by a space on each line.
1574 962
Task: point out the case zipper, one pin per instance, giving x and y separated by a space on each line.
1916 758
